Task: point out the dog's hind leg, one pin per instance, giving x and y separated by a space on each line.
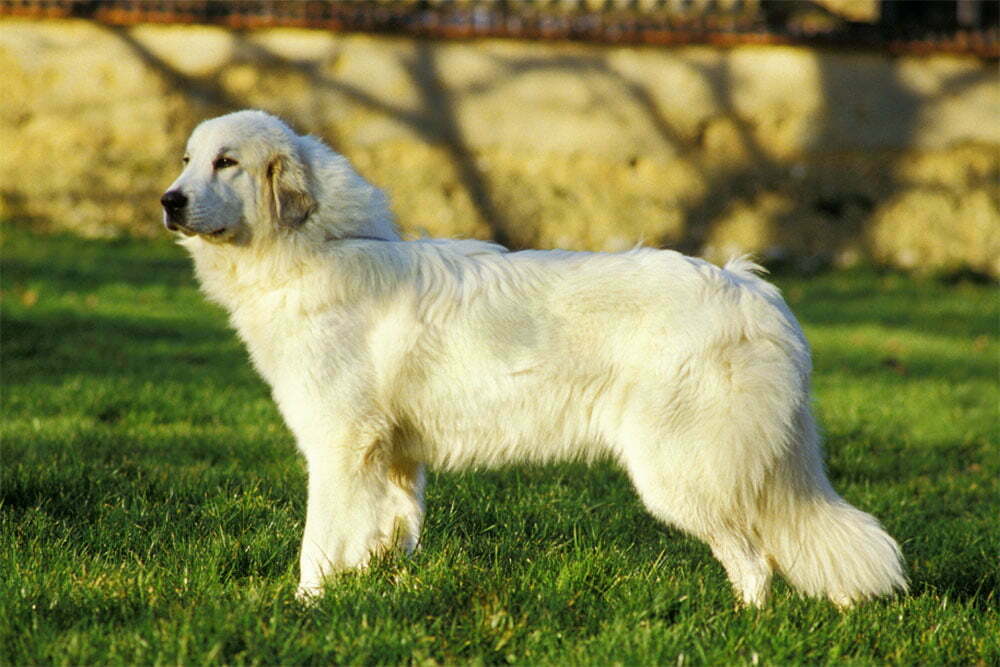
721 525
701 452
748 569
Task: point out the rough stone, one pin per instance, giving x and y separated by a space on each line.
792 153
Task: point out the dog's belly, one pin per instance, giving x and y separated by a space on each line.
493 421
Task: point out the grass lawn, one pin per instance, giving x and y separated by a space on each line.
152 501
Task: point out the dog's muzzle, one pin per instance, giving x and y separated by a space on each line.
174 203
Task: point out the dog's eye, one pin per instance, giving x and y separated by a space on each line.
223 162
185 160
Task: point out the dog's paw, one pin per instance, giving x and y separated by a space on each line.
308 593
842 602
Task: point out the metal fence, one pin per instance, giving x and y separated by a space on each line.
895 26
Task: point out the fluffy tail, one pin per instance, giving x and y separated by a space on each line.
745 267
821 544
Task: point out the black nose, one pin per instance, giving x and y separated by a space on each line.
173 201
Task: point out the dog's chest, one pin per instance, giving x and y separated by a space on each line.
280 342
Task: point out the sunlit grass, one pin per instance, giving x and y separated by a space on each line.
152 501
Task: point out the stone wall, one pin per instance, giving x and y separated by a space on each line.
796 154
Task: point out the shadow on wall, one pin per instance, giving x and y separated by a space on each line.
434 121
478 140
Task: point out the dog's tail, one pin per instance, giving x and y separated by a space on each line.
745 266
820 543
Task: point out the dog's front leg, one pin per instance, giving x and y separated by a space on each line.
360 502
342 520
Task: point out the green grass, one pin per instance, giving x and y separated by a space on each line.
152 500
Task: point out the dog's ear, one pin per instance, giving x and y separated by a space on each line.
288 183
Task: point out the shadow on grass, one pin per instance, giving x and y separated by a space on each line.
87 274
890 301
89 491
956 573
70 264
540 511
900 368
46 347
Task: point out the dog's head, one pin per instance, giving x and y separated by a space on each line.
244 174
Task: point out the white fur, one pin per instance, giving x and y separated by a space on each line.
385 355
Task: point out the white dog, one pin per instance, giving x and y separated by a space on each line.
385 355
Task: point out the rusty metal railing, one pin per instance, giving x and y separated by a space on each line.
960 26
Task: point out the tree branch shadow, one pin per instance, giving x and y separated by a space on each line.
845 211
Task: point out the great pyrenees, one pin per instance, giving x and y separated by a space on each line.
385 355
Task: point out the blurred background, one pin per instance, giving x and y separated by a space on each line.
814 134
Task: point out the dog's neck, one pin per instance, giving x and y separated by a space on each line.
235 276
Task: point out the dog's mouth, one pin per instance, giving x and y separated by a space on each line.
221 235
175 226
